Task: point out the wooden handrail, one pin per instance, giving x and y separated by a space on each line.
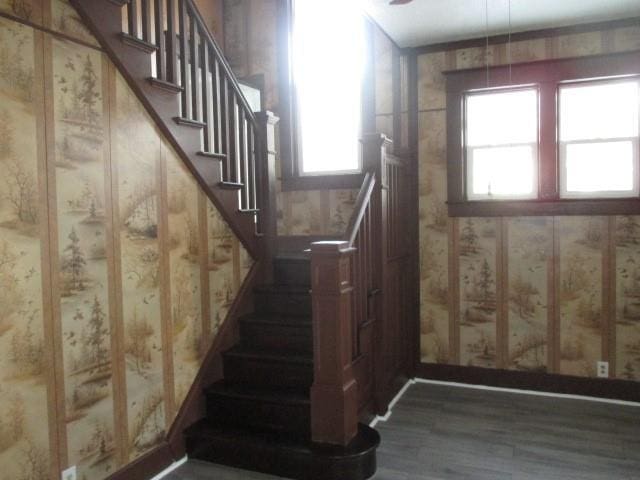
360 208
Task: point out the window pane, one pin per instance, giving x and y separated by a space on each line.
502 118
605 110
600 167
503 171
328 74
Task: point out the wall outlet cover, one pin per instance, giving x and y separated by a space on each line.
70 474
603 369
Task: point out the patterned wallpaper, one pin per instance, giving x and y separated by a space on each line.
548 294
250 30
116 272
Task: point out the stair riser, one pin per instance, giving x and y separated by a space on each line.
286 462
261 372
283 303
261 415
277 337
292 272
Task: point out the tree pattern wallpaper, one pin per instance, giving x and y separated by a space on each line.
116 271
546 294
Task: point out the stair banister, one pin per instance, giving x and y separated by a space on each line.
346 283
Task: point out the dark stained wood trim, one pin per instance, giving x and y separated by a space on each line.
148 465
413 210
528 35
602 206
193 407
543 382
546 75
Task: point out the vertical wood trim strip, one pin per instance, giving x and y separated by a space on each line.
502 294
45 252
166 330
552 298
454 291
54 266
115 299
204 268
555 340
611 312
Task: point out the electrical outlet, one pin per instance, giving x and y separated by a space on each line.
603 369
69 474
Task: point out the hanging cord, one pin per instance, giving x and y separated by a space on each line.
509 44
486 31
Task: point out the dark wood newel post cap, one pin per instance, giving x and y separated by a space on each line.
267 116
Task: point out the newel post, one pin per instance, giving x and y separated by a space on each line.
266 185
334 394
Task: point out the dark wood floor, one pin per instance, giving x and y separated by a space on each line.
451 433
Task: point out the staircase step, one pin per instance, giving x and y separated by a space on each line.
187 122
283 299
120 3
247 366
213 155
293 269
263 409
164 85
138 43
249 211
277 332
231 185
277 454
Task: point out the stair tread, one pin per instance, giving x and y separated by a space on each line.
366 439
283 288
277 319
284 396
302 257
273 355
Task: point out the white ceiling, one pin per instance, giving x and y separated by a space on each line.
424 22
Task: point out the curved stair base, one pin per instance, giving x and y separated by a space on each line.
275 454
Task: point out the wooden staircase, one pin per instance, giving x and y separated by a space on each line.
259 416
262 415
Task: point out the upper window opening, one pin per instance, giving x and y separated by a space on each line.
501 143
599 138
327 73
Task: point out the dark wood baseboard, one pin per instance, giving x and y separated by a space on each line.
544 382
146 466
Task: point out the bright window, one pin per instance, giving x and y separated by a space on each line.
599 139
328 65
501 144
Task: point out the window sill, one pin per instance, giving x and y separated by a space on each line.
511 208
323 182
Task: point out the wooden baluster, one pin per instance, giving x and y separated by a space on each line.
183 19
252 166
224 121
217 106
232 135
334 393
160 40
206 94
242 159
195 61
147 19
132 17
172 60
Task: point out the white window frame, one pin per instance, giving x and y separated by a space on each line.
562 150
469 151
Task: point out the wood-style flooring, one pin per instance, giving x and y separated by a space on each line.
441 432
